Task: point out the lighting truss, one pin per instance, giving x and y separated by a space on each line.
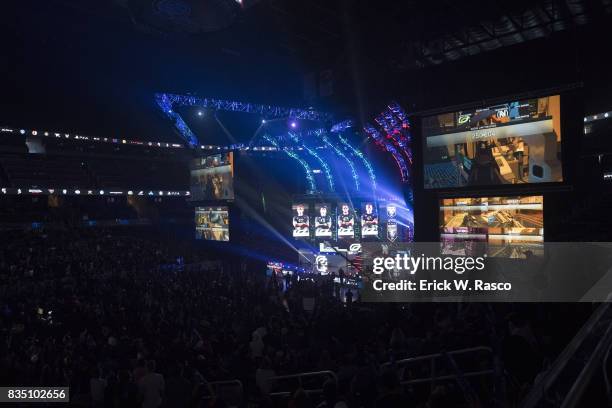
313 153
362 157
400 131
295 156
169 102
339 152
342 126
396 126
388 146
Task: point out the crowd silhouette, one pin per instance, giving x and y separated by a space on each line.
135 319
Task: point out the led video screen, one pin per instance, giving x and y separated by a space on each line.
212 223
392 222
509 226
323 221
396 223
301 220
369 220
517 142
346 221
212 177
330 263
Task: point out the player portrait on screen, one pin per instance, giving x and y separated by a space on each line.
323 223
369 221
346 222
301 223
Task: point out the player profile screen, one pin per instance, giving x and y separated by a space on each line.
346 221
511 225
323 220
212 177
301 220
369 220
212 223
512 143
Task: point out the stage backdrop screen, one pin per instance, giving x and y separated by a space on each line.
212 177
212 223
517 142
511 226
369 220
323 220
346 221
301 220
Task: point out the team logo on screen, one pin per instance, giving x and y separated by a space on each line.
321 264
502 113
355 248
463 119
391 223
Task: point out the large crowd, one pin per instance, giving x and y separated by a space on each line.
138 319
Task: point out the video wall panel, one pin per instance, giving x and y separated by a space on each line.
517 142
353 221
301 220
212 223
510 226
346 221
369 219
212 177
323 220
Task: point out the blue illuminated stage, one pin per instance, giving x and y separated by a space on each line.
301 189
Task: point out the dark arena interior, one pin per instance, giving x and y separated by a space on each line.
194 195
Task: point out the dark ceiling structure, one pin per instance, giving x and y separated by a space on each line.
423 33
350 57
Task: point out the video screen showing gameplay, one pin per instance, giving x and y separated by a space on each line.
507 227
517 142
212 177
212 223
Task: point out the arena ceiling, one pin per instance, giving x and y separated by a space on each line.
420 33
112 56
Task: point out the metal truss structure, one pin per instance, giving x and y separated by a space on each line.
340 153
319 159
397 140
514 25
168 103
307 170
383 142
361 157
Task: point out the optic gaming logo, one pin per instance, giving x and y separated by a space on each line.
463 119
321 264
355 248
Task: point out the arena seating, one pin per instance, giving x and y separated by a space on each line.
123 173
35 170
45 170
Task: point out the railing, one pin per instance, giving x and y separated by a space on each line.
541 387
606 375
584 378
432 361
324 376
